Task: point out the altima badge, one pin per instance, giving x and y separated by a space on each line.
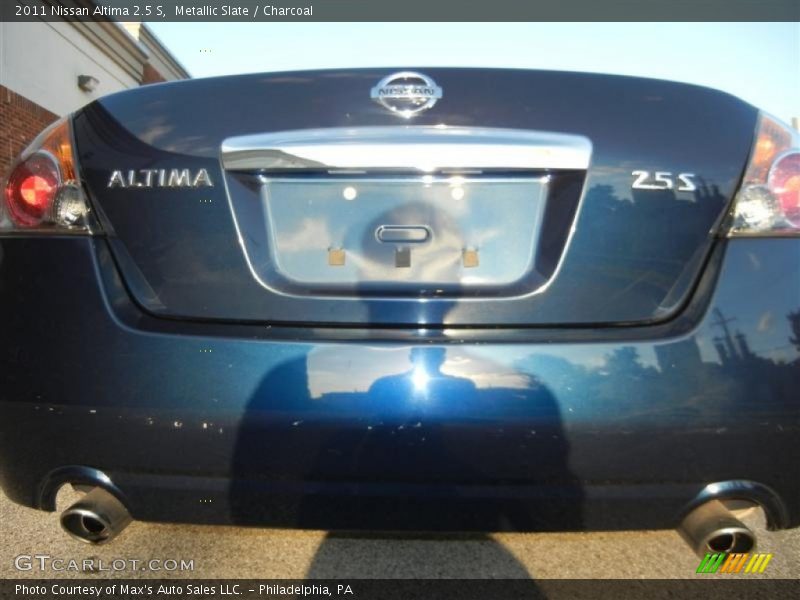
169 178
406 93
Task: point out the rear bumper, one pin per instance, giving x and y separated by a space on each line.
517 429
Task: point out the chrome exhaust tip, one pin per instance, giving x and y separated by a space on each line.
97 518
711 527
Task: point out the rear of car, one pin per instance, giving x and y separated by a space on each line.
467 299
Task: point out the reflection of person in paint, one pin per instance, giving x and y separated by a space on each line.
424 380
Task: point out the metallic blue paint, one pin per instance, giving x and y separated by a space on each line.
548 428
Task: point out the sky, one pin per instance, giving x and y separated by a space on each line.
759 62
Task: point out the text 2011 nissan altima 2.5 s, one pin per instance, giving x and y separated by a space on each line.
449 299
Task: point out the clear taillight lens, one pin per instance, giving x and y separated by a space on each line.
42 191
768 202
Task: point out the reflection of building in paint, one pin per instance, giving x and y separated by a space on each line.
794 324
678 356
744 348
732 348
722 350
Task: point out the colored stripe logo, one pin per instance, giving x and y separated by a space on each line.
724 562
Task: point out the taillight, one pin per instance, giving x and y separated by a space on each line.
768 202
31 189
784 182
42 192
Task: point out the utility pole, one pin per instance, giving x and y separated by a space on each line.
722 322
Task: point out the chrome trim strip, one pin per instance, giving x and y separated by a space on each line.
418 148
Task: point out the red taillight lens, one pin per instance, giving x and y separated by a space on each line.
36 191
43 192
31 190
784 183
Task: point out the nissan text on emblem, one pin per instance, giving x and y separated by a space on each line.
406 93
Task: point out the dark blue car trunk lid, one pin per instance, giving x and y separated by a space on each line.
194 239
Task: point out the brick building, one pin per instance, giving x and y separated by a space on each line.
41 63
